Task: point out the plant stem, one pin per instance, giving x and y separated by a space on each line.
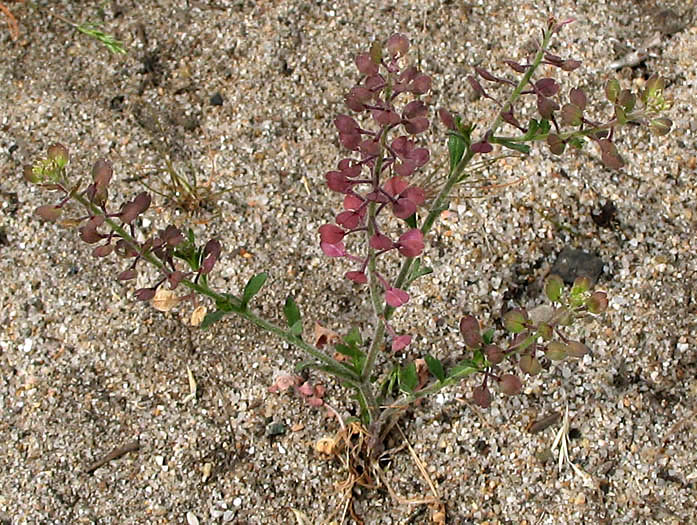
348 374
522 83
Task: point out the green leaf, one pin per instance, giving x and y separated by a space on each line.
479 358
212 317
488 336
292 312
544 127
515 321
252 288
408 378
532 130
224 305
463 369
340 372
612 90
456 148
296 328
435 367
417 271
553 287
576 142
411 220
521 148
353 338
350 351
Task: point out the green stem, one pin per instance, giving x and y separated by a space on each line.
349 375
522 83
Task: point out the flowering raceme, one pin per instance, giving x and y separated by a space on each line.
376 177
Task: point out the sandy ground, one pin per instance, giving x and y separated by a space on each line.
86 370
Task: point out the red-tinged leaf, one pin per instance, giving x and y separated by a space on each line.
381 241
597 303
411 243
469 328
578 98
306 389
144 294
553 59
397 44
400 342
446 118
515 321
420 85
29 175
510 384
415 194
349 219
494 354
124 249
337 181
353 202
175 278
530 365
570 65
315 401
89 234
333 250
556 145
576 349
660 126
331 233
416 125
481 396
370 147
103 251
609 155
172 236
415 108
476 86
357 277
405 167
366 65
515 66
395 186
48 212
481 147
508 116
385 118
485 74
396 297
58 153
403 208
358 97
102 172
627 100
546 107
127 275
547 87
571 115
132 209
346 124
211 252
